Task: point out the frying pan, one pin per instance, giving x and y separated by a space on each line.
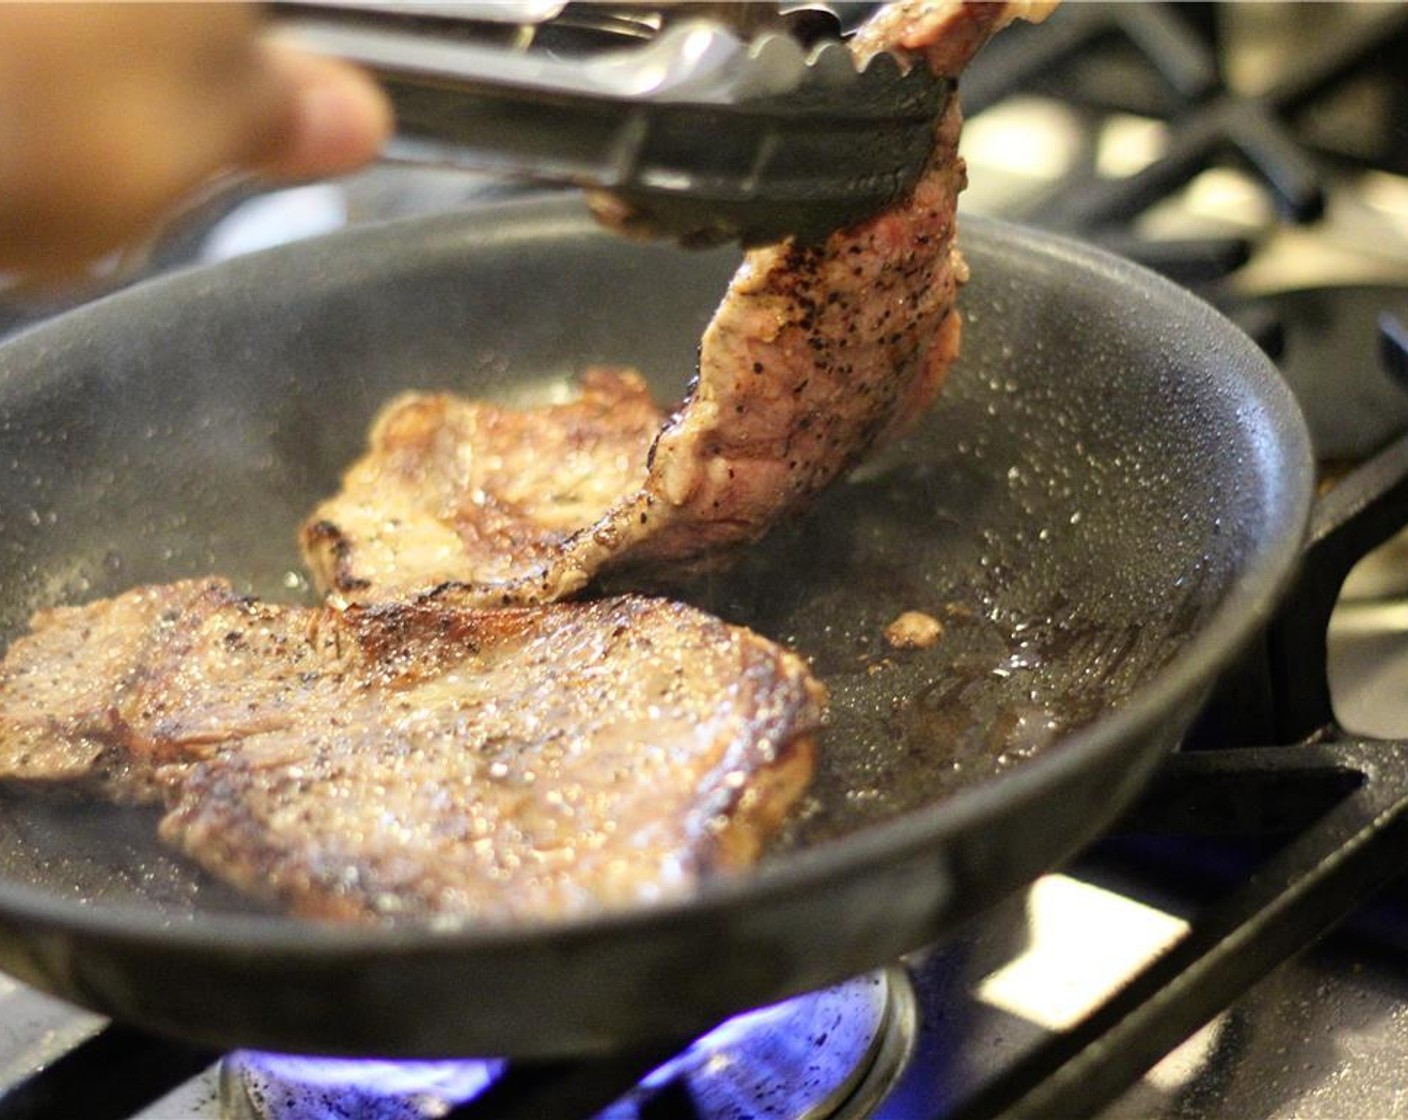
1100 511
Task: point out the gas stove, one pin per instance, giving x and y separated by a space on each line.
1259 154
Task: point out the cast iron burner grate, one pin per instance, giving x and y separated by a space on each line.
1176 76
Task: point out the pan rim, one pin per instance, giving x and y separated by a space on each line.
1246 606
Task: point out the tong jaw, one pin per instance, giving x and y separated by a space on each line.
700 133
781 141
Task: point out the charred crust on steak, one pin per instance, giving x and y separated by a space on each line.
417 759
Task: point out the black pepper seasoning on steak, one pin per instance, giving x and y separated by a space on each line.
816 354
415 760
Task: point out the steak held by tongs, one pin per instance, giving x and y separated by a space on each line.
818 352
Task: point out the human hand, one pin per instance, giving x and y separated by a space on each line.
111 114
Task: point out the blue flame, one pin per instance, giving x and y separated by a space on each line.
726 1038
801 1056
262 1086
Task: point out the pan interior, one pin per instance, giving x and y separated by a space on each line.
1072 512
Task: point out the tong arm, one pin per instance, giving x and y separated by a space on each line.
701 136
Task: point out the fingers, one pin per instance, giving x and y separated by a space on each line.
339 118
111 114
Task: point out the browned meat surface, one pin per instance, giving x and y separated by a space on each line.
815 354
418 760
74 687
467 491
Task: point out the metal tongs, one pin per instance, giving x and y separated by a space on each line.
703 123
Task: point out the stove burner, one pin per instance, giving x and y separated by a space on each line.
830 1055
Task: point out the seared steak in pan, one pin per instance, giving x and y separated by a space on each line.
420 760
452 485
816 354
